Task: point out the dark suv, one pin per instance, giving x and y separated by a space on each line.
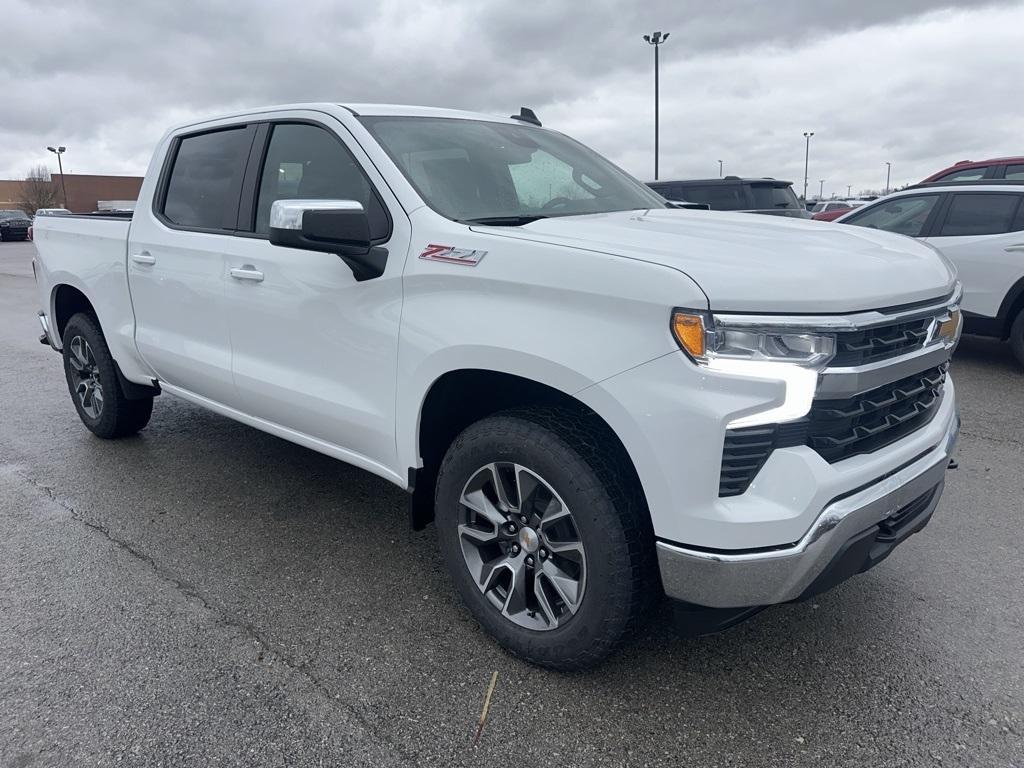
770 196
14 225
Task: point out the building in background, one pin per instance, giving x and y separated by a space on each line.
85 191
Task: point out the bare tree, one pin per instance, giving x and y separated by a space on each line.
38 191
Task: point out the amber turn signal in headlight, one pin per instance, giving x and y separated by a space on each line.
689 332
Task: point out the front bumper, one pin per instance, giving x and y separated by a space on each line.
852 533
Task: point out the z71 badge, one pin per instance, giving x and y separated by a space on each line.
450 255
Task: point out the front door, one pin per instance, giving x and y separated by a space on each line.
314 350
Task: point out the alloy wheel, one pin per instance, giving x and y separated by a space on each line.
521 545
88 389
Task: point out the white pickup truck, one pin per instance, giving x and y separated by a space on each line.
597 398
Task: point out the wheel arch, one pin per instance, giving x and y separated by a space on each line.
1012 305
460 397
67 300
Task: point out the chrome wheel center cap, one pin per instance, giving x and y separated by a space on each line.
529 540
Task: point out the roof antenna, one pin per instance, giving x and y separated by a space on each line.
526 115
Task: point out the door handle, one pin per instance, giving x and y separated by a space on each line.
144 258
247 272
1018 248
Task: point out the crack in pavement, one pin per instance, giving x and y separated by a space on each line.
247 629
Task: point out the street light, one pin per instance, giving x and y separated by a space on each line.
58 151
888 173
807 156
821 190
656 39
719 169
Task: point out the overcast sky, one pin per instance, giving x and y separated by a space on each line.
920 83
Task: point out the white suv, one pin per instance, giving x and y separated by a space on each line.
980 228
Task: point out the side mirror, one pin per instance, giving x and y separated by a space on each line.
332 226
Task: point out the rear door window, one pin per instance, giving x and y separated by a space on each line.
205 181
980 214
1015 172
904 215
967 174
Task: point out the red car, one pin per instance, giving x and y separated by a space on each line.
968 170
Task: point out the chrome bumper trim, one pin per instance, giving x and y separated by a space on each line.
840 383
764 577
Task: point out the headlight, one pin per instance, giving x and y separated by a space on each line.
791 357
705 342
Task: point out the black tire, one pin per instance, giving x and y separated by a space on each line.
117 416
609 513
1017 337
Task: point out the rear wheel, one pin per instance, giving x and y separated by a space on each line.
1017 337
93 383
545 539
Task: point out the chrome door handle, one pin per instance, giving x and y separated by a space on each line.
247 272
1019 247
144 258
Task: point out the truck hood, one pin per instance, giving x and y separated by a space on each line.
746 263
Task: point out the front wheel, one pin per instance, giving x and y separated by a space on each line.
93 383
545 537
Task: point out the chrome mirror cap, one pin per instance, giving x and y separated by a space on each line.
287 214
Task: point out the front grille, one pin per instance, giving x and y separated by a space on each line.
835 429
873 344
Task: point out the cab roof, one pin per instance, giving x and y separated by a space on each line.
396 110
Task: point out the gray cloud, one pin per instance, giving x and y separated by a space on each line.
918 82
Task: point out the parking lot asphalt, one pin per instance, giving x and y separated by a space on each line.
206 594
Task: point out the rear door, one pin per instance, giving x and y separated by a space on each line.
982 233
177 260
313 349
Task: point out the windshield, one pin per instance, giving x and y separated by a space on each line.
474 170
13 215
771 196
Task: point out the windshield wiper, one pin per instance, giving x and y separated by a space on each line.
504 221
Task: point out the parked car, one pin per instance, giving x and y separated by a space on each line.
1011 168
14 225
597 398
832 209
979 227
769 196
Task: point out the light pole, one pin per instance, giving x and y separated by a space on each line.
888 173
656 39
58 151
821 190
848 188
719 169
807 156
